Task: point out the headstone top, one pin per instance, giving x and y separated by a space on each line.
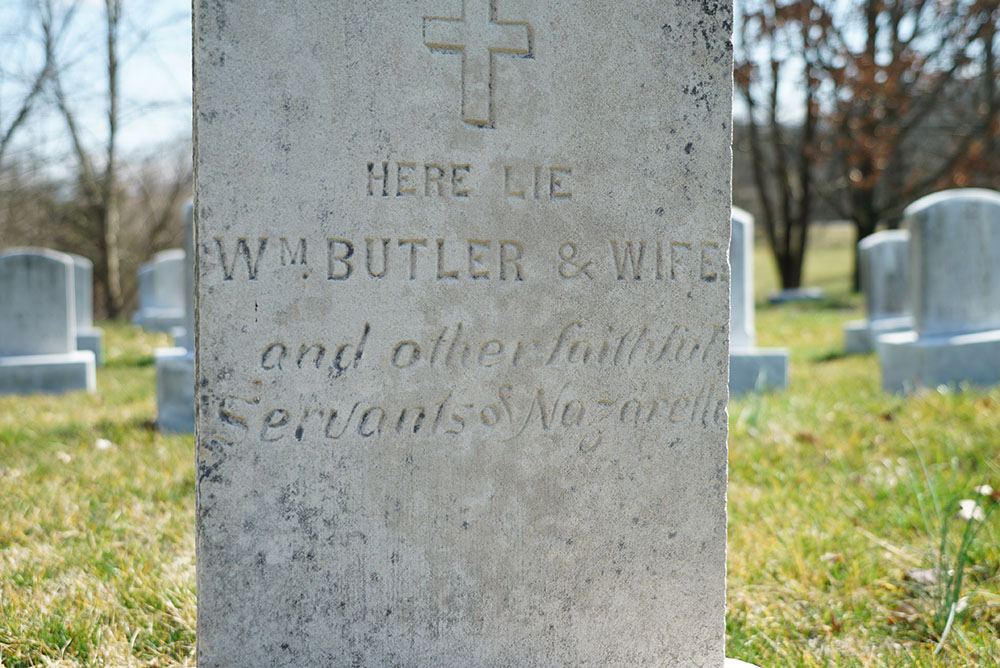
980 196
37 314
883 236
954 246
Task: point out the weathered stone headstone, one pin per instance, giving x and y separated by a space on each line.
884 282
88 337
161 292
175 366
38 325
462 332
954 294
750 368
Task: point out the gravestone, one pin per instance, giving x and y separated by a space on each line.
175 366
954 294
884 282
38 325
144 275
750 368
88 337
161 292
462 332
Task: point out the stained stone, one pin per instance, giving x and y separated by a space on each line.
750 368
884 282
462 332
175 366
954 294
88 337
38 325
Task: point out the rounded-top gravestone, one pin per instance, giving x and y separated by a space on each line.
38 347
955 242
954 293
37 313
884 274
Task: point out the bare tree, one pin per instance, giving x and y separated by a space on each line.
98 184
40 11
779 47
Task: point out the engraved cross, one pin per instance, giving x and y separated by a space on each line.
479 38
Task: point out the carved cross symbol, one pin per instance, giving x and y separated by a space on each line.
479 37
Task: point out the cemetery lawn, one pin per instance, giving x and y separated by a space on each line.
833 536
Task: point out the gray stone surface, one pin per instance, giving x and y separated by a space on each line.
174 390
742 331
884 281
161 292
954 293
793 295
38 325
751 369
462 332
88 337
175 366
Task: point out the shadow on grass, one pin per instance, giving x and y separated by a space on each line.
130 361
831 356
138 422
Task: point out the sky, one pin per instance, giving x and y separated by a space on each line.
154 84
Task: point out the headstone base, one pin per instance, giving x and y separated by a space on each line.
159 320
909 363
860 335
797 295
92 339
174 390
50 374
757 369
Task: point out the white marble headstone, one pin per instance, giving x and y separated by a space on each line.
462 332
37 311
884 273
38 335
955 253
742 330
954 293
168 279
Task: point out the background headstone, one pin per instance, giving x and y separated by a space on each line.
954 294
884 262
750 368
88 337
38 325
175 366
462 332
161 292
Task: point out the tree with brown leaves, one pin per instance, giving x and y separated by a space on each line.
885 101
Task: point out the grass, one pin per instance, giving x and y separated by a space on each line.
829 508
